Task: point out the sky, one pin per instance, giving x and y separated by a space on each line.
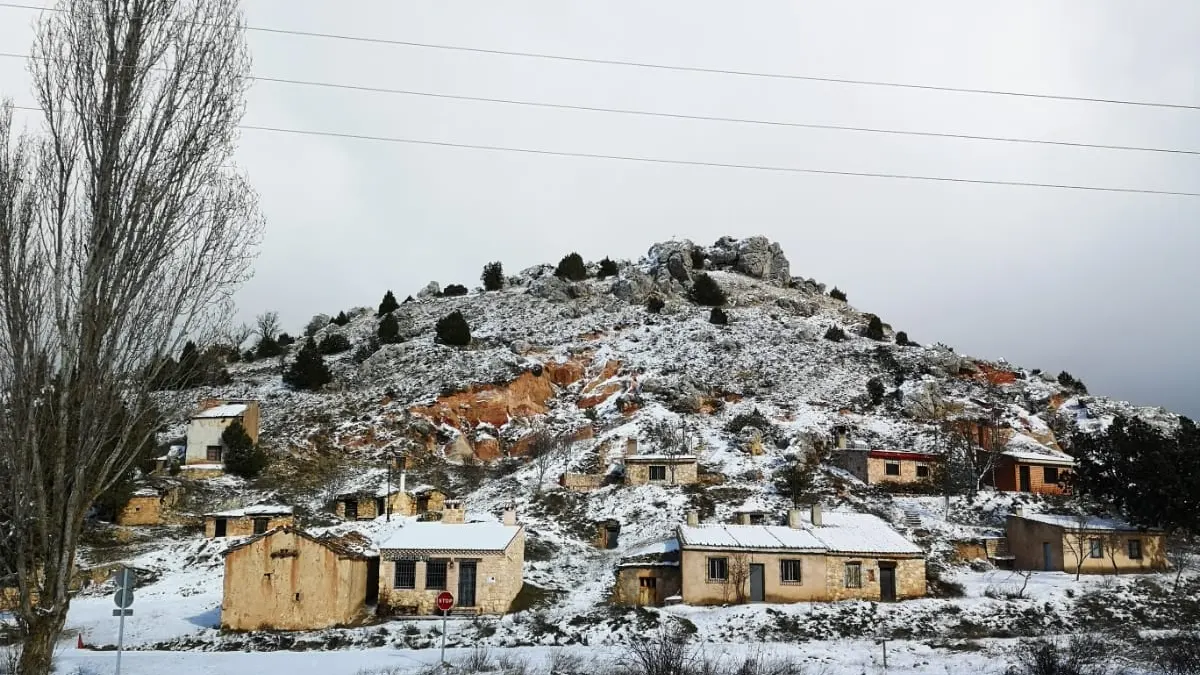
1099 284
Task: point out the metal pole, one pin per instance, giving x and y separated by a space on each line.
120 640
387 499
444 613
884 642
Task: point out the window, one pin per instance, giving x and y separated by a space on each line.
351 509
435 575
1095 548
892 468
1135 549
260 525
789 571
213 453
757 519
658 473
922 471
1050 476
853 575
718 569
406 574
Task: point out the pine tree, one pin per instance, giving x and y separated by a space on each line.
874 328
387 304
706 291
334 343
608 268
835 334
308 371
285 340
571 267
655 304
837 294
454 290
187 373
389 330
718 316
875 390
453 329
902 339
267 347
340 320
493 276
241 456
366 349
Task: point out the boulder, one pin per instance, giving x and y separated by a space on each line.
520 347
756 257
633 287
550 288
432 290
673 257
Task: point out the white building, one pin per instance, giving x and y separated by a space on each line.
205 427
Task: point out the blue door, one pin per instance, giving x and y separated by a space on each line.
1047 557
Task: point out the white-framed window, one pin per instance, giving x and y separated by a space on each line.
718 569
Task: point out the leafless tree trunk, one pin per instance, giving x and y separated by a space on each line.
124 231
267 325
1077 540
737 578
544 449
1181 553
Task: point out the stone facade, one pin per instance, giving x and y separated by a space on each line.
581 482
244 526
147 507
498 578
288 580
909 574
369 506
1043 546
646 585
674 470
881 466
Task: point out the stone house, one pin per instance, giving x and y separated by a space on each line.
287 579
370 504
1086 544
481 563
649 576
828 556
204 447
887 466
148 505
1043 470
248 521
661 470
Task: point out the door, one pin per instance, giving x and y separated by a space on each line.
219 527
648 591
466 584
1047 557
887 583
756 583
1023 474
351 509
372 581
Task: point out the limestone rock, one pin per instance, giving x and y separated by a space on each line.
550 288
520 347
633 287
756 257
432 290
673 257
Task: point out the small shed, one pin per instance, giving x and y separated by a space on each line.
608 533
393 499
248 521
148 504
1084 544
655 469
649 575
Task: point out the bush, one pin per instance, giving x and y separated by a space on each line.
285 340
389 330
718 316
698 259
838 294
571 267
706 291
366 349
308 371
453 329
1069 381
875 390
242 457
836 334
334 343
874 328
387 304
655 304
454 290
267 347
754 418
608 268
493 276
902 339
1178 655
1083 655
340 320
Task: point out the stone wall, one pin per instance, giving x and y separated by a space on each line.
498 580
288 582
627 590
910 577
581 482
877 471
244 526
637 472
141 510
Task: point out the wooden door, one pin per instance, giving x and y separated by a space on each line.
466 584
1023 473
757 580
648 591
887 583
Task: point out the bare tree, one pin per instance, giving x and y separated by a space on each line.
737 577
1077 540
237 336
124 230
1181 553
544 449
266 325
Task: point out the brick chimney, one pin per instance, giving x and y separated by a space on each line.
816 515
693 518
794 519
510 515
1020 512
453 513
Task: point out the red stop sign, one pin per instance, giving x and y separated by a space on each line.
445 600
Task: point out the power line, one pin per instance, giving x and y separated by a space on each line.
699 163
704 118
693 69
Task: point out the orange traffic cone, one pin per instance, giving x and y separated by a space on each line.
79 641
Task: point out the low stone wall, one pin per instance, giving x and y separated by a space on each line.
581 482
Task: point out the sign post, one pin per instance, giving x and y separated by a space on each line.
125 579
445 601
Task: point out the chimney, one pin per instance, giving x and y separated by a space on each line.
743 518
452 512
1020 512
816 515
630 446
403 480
794 519
693 518
510 515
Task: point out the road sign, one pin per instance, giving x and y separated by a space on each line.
445 600
123 598
122 612
125 578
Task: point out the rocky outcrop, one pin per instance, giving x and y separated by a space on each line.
672 260
551 288
431 290
633 287
755 257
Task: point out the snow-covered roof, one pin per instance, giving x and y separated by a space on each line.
1088 523
759 537
351 544
227 410
858 533
661 458
663 553
488 536
255 510
1028 449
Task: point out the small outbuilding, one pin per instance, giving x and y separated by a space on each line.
661 469
1084 544
1041 470
248 521
205 451
608 533
148 504
901 467
649 576
393 499
287 579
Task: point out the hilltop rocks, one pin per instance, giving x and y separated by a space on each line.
633 287
672 260
755 257
432 290
551 288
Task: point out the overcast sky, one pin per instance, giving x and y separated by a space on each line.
1100 284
